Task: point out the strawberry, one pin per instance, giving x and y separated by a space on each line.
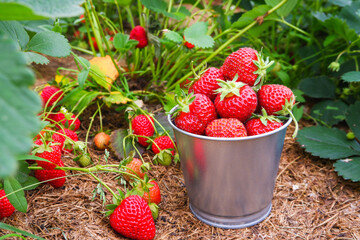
134 167
247 64
82 18
187 44
67 120
153 194
138 33
276 99
143 125
50 95
262 124
65 144
45 175
207 82
226 127
235 100
6 208
93 40
162 143
49 151
101 140
133 219
194 113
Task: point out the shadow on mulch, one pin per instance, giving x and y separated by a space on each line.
310 201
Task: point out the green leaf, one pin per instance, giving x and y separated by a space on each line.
123 43
329 111
329 39
17 11
30 183
351 76
32 57
352 118
173 36
160 6
78 99
196 34
50 43
349 169
250 16
328 143
14 229
285 9
82 76
19 106
284 77
340 28
15 194
298 112
15 31
318 87
23 172
37 25
340 3
351 15
122 145
162 119
299 95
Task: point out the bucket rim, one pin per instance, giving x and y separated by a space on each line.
283 127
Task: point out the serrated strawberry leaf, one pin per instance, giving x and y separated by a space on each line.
349 169
122 145
32 57
329 111
351 77
250 16
173 36
15 194
196 34
352 118
328 143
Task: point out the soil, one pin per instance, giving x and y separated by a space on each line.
310 201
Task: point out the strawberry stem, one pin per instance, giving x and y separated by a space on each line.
295 122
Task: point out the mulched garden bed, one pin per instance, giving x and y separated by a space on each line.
310 200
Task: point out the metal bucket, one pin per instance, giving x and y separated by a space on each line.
230 181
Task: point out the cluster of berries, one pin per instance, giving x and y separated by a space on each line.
232 101
163 146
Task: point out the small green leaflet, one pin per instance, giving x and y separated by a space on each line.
352 118
349 168
161 6
15 31
328 143
285 9
351 77
250 16
173 36
196 34
15 194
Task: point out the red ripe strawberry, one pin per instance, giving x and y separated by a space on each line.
48 151
187 44
70 122
93 40
247 64
138 33
45 175
276 99
50 95
101 140
133 219
154 193
134 167
6 208
207 83
195 114
235 100
65 144
161 143
255 126
226 127
143 125
82 18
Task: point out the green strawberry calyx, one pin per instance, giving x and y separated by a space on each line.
183 101
265 118
229 88
287 109
262 65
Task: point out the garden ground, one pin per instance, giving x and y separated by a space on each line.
310 200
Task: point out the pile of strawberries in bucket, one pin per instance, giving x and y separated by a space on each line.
233 101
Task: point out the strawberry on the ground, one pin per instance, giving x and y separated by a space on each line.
247 64
235 100
207 82
138 33
226 127
101 140
187 44
151 192
49 151
262 124
133 219
6 208
50 95
194 113
65 144
67 120
134 167
143 125
58 176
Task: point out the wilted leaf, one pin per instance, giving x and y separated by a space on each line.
122 145
103 71
116 98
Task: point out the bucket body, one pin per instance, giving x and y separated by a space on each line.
230 181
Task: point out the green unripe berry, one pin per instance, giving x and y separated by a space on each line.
350 135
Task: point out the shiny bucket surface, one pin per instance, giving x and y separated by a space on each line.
230 181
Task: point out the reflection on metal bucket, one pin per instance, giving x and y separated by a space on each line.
230 181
